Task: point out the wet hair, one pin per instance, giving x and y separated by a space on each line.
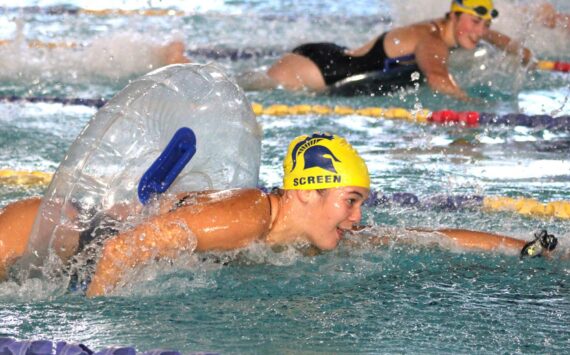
448 14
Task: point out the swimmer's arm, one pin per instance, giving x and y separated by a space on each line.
148 241
462 237
432 58
16 221
230 220
506 44
481 240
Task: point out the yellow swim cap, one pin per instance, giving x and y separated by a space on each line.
480 8
323 161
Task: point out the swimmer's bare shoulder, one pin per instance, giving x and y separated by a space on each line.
405 40
227 219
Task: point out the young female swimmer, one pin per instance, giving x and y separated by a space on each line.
315 66
324 186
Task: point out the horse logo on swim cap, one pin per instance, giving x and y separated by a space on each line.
323 161
480 8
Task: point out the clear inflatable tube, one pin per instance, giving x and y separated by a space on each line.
104 165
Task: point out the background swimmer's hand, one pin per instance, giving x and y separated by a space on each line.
546 15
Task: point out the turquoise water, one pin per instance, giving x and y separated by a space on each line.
369 299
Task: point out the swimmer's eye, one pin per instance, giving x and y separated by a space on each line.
353 201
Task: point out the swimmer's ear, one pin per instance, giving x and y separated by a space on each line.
304 196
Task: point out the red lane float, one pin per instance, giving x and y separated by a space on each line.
562 66
467 118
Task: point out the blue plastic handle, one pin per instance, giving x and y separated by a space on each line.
162 173
391 63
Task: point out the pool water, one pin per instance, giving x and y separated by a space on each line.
365 299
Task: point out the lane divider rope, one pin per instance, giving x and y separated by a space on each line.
521 205
234 54
74 10
423 116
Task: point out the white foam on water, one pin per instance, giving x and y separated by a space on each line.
115 56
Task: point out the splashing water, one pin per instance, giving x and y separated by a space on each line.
427 297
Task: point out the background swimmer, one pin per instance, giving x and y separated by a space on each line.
115 56
539 25
315 66
324 187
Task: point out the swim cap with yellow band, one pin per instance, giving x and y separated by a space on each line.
323 161
480 8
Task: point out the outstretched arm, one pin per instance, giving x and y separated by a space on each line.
482 240
506 44
432 57
542 244
461 237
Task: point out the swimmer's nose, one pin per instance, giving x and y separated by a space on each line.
481 29
356 215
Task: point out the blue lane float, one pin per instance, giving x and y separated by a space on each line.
9 346
233 54
477 119
47 10
97 103
437 202
522 120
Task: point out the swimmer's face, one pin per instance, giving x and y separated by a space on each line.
335 211
470 29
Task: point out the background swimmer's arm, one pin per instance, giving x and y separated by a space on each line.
506 44
432 55
229 220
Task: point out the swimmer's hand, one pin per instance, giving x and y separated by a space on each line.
543 242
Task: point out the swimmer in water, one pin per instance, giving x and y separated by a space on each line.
315 66
325 185
149 55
